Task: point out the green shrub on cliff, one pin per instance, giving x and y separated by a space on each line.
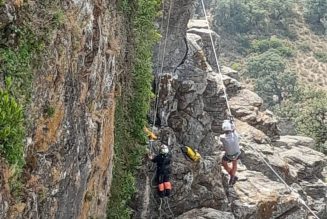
308 111
132 107
146 36
11 129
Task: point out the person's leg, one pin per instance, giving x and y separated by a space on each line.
225 165
234 168
167 184
233 178
161 187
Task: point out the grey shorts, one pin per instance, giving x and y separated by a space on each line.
231 158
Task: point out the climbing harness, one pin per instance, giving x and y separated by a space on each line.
190 153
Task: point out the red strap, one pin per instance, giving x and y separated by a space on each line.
161 187
167 185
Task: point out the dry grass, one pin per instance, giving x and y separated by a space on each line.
310 70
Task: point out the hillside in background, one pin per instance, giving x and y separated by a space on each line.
280 49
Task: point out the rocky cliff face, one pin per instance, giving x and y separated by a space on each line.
69 154
191 110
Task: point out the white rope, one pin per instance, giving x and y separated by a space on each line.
160 209
216 57
300 200
161 68
168 206
161 30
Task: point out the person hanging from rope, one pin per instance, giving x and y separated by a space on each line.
163 161
230 141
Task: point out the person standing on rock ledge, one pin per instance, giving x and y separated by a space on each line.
230 141
163 161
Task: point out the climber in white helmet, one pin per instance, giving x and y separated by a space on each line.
163 161
230 141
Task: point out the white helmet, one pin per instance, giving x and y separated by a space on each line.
227 126
164 149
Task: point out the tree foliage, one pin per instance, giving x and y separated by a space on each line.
308 110
283 49
243 16
316 14
271 77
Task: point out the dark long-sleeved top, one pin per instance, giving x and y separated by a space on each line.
163 163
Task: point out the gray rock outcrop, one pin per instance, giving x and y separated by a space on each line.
191 109
7 14
206 213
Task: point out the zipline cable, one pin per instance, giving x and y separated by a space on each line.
161 68
216 57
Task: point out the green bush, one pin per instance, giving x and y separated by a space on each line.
17 62
311 120
321 56
132 108
127 158
272 77
243 44
49 111
261 46
244 16
265 64
304 47
11 129
315 12
146 37
236 66
308 110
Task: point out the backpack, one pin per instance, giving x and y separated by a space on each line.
191 153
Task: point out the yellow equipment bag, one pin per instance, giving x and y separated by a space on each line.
191 153
150 134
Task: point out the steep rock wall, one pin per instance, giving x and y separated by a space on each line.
69 154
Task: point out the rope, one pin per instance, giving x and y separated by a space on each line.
159 50
300 200
168 206
160 209
161 68
216 57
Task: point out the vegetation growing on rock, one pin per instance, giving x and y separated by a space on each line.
22 41
133 105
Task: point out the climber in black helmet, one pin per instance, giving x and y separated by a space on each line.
163 161
230 141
